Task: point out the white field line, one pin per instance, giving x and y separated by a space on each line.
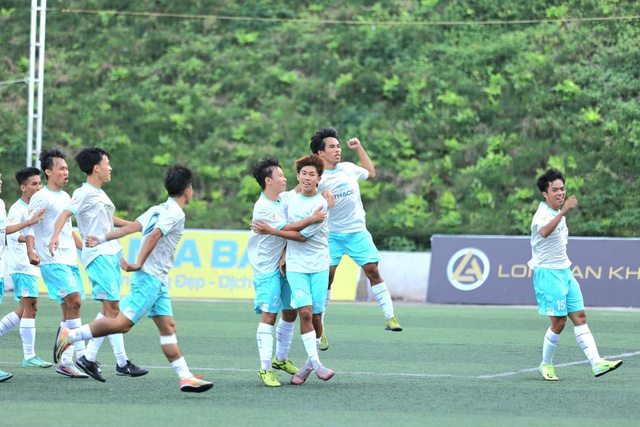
388 374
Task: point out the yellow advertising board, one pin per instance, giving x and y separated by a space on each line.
213 264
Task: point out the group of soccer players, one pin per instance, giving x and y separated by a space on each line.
47 245
296 245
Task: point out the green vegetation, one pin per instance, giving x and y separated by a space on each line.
451 366
459 119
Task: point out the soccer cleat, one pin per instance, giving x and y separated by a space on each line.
301 376
548 372
194 384
268 377
62 343
90 368
70 371
5 376
605 366
285 365
36 362
129 370
324 374
393 325
324 342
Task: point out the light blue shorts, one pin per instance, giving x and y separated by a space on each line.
1 289
104 273
62 280
273 293
24 285
147 296
359 246
308 289
557 291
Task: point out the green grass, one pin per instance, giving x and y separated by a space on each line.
451 365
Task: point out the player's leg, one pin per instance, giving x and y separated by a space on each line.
548 292
285 330
26 293
267 304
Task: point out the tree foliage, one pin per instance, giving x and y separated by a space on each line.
459 119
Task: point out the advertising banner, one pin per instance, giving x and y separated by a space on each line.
493 270
213 264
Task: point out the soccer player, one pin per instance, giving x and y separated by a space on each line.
273 293
23 274
94 214
557 291
307 264
348 232
162 227
60 273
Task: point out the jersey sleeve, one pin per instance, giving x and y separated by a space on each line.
360 172
76 203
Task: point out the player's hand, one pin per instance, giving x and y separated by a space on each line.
260 227
37 217
283 266
34 259
354 143
53 245
570 203
328 196
126 266
318 215
91 241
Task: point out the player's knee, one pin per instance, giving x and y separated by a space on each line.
306 314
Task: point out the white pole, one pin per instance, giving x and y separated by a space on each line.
32 76
43 24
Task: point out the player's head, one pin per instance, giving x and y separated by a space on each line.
91 157
54 164
312 160
178 182
547 178
29 180
264 169
318 140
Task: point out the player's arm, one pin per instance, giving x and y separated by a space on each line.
119 222
77 240
570 203
261 227
149 244
317 216
365 161
34 259
55 238
36 218
117 233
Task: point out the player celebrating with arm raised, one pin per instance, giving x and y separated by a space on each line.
557 291
348 234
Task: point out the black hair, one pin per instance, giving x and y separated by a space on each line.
24 174
264 169
47 157
548 177
177 179
318 140
89 157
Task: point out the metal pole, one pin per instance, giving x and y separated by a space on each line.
32 76
43 25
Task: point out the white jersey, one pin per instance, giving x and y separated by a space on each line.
549 252
264 250
169 218
54 202
3 235
17 258
348 215
94 214
311 256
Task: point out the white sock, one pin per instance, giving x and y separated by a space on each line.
587 343
94 344
382 295
78 346
326 304
9 322
309 341
549 346
28 334
264 336
284 337
181 368
80 334
117 343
